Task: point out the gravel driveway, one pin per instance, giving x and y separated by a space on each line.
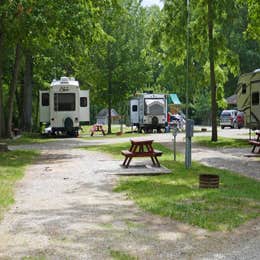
65 209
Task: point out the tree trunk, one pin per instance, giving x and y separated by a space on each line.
214 134
36 114
12 89
19 101
109 90
109 104
2 120
27 94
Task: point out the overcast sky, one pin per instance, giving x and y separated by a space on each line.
152 2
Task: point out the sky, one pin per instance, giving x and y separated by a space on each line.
152 2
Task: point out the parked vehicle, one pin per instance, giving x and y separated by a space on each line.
248 98
176 119
148 112
64 108
228 118
239 121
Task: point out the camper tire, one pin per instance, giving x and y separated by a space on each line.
73 133
68 125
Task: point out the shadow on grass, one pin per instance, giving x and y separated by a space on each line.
16 158
222 142
12 165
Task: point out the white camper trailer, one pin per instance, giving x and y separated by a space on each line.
148 111
248 98
64 108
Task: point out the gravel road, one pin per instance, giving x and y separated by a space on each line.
66 209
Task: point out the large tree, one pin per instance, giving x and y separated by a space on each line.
50 34
207 47
118 64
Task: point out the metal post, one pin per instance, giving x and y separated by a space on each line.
174 148
175 132
187 60
189 134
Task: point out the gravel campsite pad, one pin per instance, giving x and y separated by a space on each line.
66 209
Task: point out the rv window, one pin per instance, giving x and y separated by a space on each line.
244 89
64 101
255 98
45 99
134 108
154 106
83 102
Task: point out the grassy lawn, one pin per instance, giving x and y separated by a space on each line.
33 138
27 138
222 142
12 166
114 128
178 196
119 255
100 136
85 133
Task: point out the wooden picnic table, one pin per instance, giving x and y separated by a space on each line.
141 148
255 142
97 128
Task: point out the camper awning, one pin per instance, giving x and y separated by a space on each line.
173 99
232 100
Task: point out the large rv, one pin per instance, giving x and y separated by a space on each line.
148 112
64 108
248 100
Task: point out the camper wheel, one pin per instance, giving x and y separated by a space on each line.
73 133
53 132
68 124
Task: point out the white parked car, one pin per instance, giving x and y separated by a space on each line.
228 118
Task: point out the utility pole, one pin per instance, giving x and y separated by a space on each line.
187 59
189 122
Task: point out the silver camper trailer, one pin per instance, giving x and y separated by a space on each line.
248 100
64 108
148 112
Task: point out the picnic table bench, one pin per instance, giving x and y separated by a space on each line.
255 143
97 128
16 131
141 148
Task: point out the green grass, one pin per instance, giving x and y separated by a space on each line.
178 196
34 138
27 138
12 166
85 134
119 255
222 142
34 258
99 136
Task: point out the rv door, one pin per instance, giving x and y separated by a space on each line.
134 112
84 107
44 105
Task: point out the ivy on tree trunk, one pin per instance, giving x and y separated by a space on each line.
27 93
13 88
214 136
2 120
